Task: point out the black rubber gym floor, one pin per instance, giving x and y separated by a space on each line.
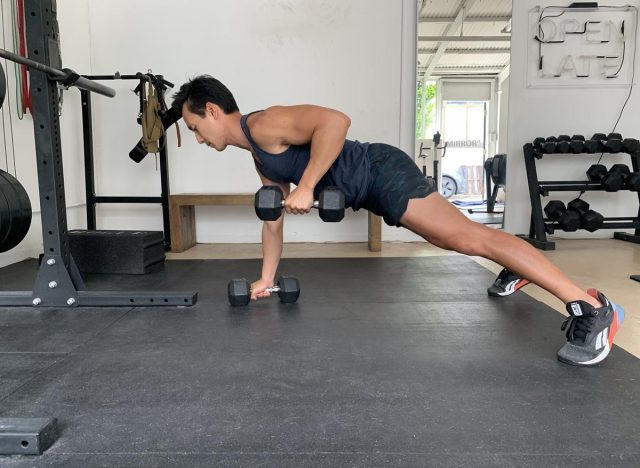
383 362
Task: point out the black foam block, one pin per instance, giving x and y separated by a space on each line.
117 252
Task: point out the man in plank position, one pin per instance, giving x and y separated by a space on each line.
306 146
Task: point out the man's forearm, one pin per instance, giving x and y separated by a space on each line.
271 249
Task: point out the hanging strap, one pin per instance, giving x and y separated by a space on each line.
152 129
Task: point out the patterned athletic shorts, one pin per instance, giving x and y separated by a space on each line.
395 179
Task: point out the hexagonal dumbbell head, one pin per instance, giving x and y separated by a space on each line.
633 182
578 205
621 169
569 221
331 205
591 221
554 209
537 142
591 146
596 172
239 292
268 202
616 177
631 145
577 144
289 289
613 144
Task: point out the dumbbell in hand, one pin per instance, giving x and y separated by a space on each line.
239 290
269 201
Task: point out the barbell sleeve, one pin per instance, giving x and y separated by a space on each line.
81 82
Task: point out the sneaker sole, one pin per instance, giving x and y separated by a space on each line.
512 287
618 318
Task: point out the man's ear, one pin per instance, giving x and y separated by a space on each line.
212 109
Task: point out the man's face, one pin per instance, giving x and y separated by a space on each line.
208 129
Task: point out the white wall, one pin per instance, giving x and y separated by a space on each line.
357 56
568 110
74 38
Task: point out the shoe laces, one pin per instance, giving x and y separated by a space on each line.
578 327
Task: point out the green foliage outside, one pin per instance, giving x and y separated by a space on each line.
425 116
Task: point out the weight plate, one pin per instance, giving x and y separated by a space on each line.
12 202
3 85
5 219
20 210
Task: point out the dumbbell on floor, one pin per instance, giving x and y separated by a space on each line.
239 290
269 201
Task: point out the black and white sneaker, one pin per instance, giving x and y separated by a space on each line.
590 331
506 284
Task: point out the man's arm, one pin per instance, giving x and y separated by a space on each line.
272 235
326 130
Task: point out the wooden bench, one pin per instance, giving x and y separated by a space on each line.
182 217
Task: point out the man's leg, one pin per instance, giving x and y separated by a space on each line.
593 319
440 223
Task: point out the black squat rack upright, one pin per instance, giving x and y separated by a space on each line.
58 282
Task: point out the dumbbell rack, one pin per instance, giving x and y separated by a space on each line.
540 226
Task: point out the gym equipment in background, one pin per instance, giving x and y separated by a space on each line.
578 215
59 282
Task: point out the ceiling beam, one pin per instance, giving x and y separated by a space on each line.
452 28
467 19
479 74
504 74
465 67
447 39
505 50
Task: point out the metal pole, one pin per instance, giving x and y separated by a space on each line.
87 132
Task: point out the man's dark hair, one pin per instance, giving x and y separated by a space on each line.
200 90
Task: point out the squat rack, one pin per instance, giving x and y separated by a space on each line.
58 282
87 131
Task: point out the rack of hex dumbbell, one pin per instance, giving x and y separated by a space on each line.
577 213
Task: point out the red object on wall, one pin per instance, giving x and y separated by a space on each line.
22 50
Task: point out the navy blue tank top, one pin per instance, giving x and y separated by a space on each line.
349 172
